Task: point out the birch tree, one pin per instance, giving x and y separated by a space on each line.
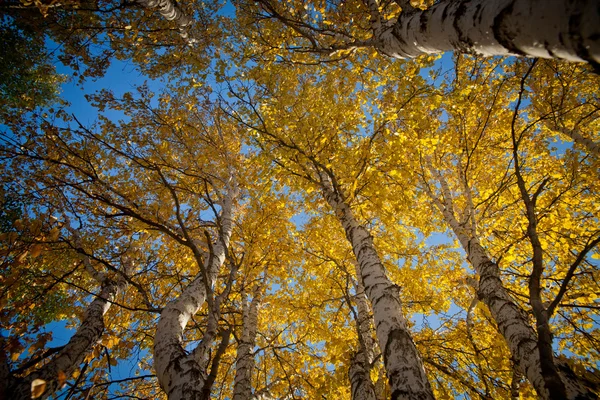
402 361
403 29
114 198
244 362
267 217
42 382
526 344
361 363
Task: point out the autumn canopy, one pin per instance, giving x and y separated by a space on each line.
300 199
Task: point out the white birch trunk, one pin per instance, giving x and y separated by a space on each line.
403 364
592 147
244 362
171 11
179 373
360 379
512 321
364 318
73 354
362 387
535 28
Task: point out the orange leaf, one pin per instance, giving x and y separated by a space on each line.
36 250
62 378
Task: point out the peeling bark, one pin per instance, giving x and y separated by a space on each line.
360 380
534 28
403 363
364 319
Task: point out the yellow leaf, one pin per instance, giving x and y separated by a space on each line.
38 387
110 342
15 356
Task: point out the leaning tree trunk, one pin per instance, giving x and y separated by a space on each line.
589 145
182 375
535 28
402 361
513 322
90 331
73 354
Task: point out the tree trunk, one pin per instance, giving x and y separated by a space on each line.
244 362
403 364
512 321
589 145
364 318
535 28
362 387
169 9
73 354
179 373
360 380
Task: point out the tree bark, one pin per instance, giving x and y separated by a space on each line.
73 354
169 9
244 362
534 28
589 145
402 361
362 387
360 380
512 321
179 373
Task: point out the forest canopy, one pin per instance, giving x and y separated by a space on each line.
300 199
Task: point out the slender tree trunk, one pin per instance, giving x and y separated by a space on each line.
180 373
558 386
244 362
403 363
534 28
364 318
72 355
362 387
360 380
512 321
